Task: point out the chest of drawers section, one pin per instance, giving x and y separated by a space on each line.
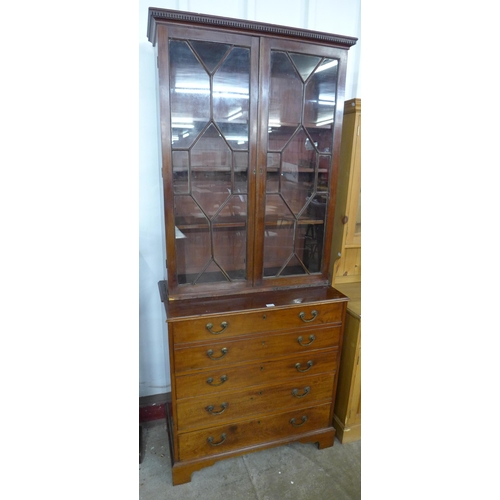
244 380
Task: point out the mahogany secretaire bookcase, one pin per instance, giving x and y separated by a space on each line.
250 120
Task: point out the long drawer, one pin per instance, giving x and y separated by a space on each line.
210 410
233 436
217 380
219 326
258 347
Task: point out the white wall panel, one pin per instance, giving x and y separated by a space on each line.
224 8
287 12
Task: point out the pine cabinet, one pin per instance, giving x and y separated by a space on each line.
347 273
347 227
347 414
250 120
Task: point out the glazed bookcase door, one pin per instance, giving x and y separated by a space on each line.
209 108
302 106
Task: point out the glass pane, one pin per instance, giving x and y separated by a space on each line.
211 165
212 274
231 98
293 267
319 107
273 172
298 172
189 95
285 96
305 64
180 164
278 236
210 53
240 172
210 132
192 239
325 163
310 245
300 140
229 239
284 101
279 136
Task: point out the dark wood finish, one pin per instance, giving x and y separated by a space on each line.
257 299
255 379
254 330
269 319
157 16
292 259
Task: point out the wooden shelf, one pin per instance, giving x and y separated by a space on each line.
241 225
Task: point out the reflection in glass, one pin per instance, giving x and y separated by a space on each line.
230 240
210 134
231 98
240 172
180 161
211 165
273 172
293 266
319 105
285 96
279 234
192 238
300 140
210 53
305 64
298 172
190 95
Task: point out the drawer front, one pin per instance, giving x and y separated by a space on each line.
210 328
217 354
239 435
209 410
218 380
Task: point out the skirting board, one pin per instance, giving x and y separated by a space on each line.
352 433
153 407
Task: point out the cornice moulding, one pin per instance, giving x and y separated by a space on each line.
159 16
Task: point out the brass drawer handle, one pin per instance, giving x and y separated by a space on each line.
295 392
210 409
209 327
312 338
292 421
302 316
309 366
211 440
223 351
210 381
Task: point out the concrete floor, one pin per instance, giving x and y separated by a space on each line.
295 472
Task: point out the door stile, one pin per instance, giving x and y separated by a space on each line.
261 166
253 188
